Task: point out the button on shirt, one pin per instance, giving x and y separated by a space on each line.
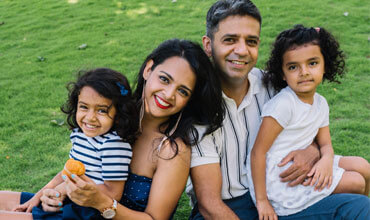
230 144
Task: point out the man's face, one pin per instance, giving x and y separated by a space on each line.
234 47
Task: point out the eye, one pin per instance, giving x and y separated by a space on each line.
164 79
82 107
102 111
183 92
313 63
252 42
229 40
292 67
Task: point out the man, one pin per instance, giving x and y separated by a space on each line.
218 173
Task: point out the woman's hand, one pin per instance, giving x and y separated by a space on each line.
322 173
265 210
51 200
84 192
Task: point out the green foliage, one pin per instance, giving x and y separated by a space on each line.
44 43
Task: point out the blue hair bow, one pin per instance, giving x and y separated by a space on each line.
122 89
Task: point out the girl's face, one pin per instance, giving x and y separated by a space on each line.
95 113
303 68
168 87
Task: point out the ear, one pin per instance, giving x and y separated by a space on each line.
148 69
207 45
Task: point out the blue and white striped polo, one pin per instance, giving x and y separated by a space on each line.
106 157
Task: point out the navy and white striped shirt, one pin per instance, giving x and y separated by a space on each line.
230 144
106 157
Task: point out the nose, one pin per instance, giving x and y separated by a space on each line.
241 48
170 92
90 115
304 71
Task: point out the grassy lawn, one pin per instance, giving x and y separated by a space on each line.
39 54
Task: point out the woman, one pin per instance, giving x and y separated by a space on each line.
176 89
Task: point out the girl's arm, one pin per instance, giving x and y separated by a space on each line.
323 170
28 206
267 134
168 184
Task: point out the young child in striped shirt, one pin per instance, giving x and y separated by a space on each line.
104 121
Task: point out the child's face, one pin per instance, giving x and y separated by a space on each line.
168 87
95 113
303 68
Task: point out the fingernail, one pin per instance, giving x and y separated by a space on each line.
61 209
73 176
64 177
59 204
57 195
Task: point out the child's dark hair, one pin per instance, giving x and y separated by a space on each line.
111 85
298 36
205 106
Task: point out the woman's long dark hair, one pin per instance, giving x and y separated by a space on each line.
205 106
298 36
114 86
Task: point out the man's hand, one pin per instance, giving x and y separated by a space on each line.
303 161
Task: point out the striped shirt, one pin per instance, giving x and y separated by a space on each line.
230 144
106 157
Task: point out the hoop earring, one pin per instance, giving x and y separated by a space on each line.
169 134
142 108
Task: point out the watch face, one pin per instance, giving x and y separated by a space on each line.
109 214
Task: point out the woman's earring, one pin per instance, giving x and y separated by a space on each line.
142 108
169 134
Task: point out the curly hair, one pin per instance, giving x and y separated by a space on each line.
298 36
205 106
108 83
222 9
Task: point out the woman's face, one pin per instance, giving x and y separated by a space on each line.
168 88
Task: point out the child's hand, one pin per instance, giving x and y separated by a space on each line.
28 206
265 210
322 173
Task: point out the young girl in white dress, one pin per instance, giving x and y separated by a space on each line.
293 119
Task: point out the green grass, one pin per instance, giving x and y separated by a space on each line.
119 34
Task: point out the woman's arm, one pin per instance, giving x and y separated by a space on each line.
169 181
267 134
113 189
167 186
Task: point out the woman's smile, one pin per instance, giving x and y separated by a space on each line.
161 103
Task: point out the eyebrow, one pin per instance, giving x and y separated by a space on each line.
235 35
169 76
100 106
311 59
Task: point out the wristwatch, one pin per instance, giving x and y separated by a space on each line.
110 212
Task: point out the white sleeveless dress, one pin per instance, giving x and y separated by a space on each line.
301 122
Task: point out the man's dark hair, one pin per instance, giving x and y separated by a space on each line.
225 8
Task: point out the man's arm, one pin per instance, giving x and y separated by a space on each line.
207 182
303 161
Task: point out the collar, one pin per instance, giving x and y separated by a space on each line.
255 84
